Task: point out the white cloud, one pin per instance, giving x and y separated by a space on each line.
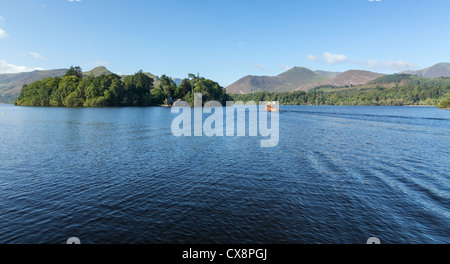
391 65
3 34
285 67
74 0
375 0
37 55
11 68
331 58
328 57
312 57
260 66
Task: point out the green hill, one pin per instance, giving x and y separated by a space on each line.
285 82
101 70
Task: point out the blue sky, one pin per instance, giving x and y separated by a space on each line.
223 39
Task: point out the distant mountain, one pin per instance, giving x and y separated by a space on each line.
285 82
11 83
348 78
436 71
327 74
101 70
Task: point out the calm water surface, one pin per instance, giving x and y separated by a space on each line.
117 175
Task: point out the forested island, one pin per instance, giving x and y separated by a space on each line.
77 90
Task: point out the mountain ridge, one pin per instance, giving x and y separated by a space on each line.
348 78
436 71
252 83
11 83
284 82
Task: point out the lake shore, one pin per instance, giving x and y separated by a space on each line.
421 105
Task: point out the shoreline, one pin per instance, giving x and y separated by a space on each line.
167 106
421 105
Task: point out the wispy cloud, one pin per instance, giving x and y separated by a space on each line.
328 57
285 67
259 66
331 58
3 33
391 65
11 68
375 0
74 0
37 55
312 57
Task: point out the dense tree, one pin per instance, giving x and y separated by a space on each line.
75 90
445 103
183 89
158 95
75 71
167 85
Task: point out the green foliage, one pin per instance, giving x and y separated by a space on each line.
183 89
167 85
394 78
158 95
72 100
137 90
445 103
75 71
74 90
210 90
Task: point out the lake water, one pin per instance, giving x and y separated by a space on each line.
340 174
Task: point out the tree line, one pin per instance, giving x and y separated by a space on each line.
75 90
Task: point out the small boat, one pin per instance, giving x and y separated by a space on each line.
272 107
